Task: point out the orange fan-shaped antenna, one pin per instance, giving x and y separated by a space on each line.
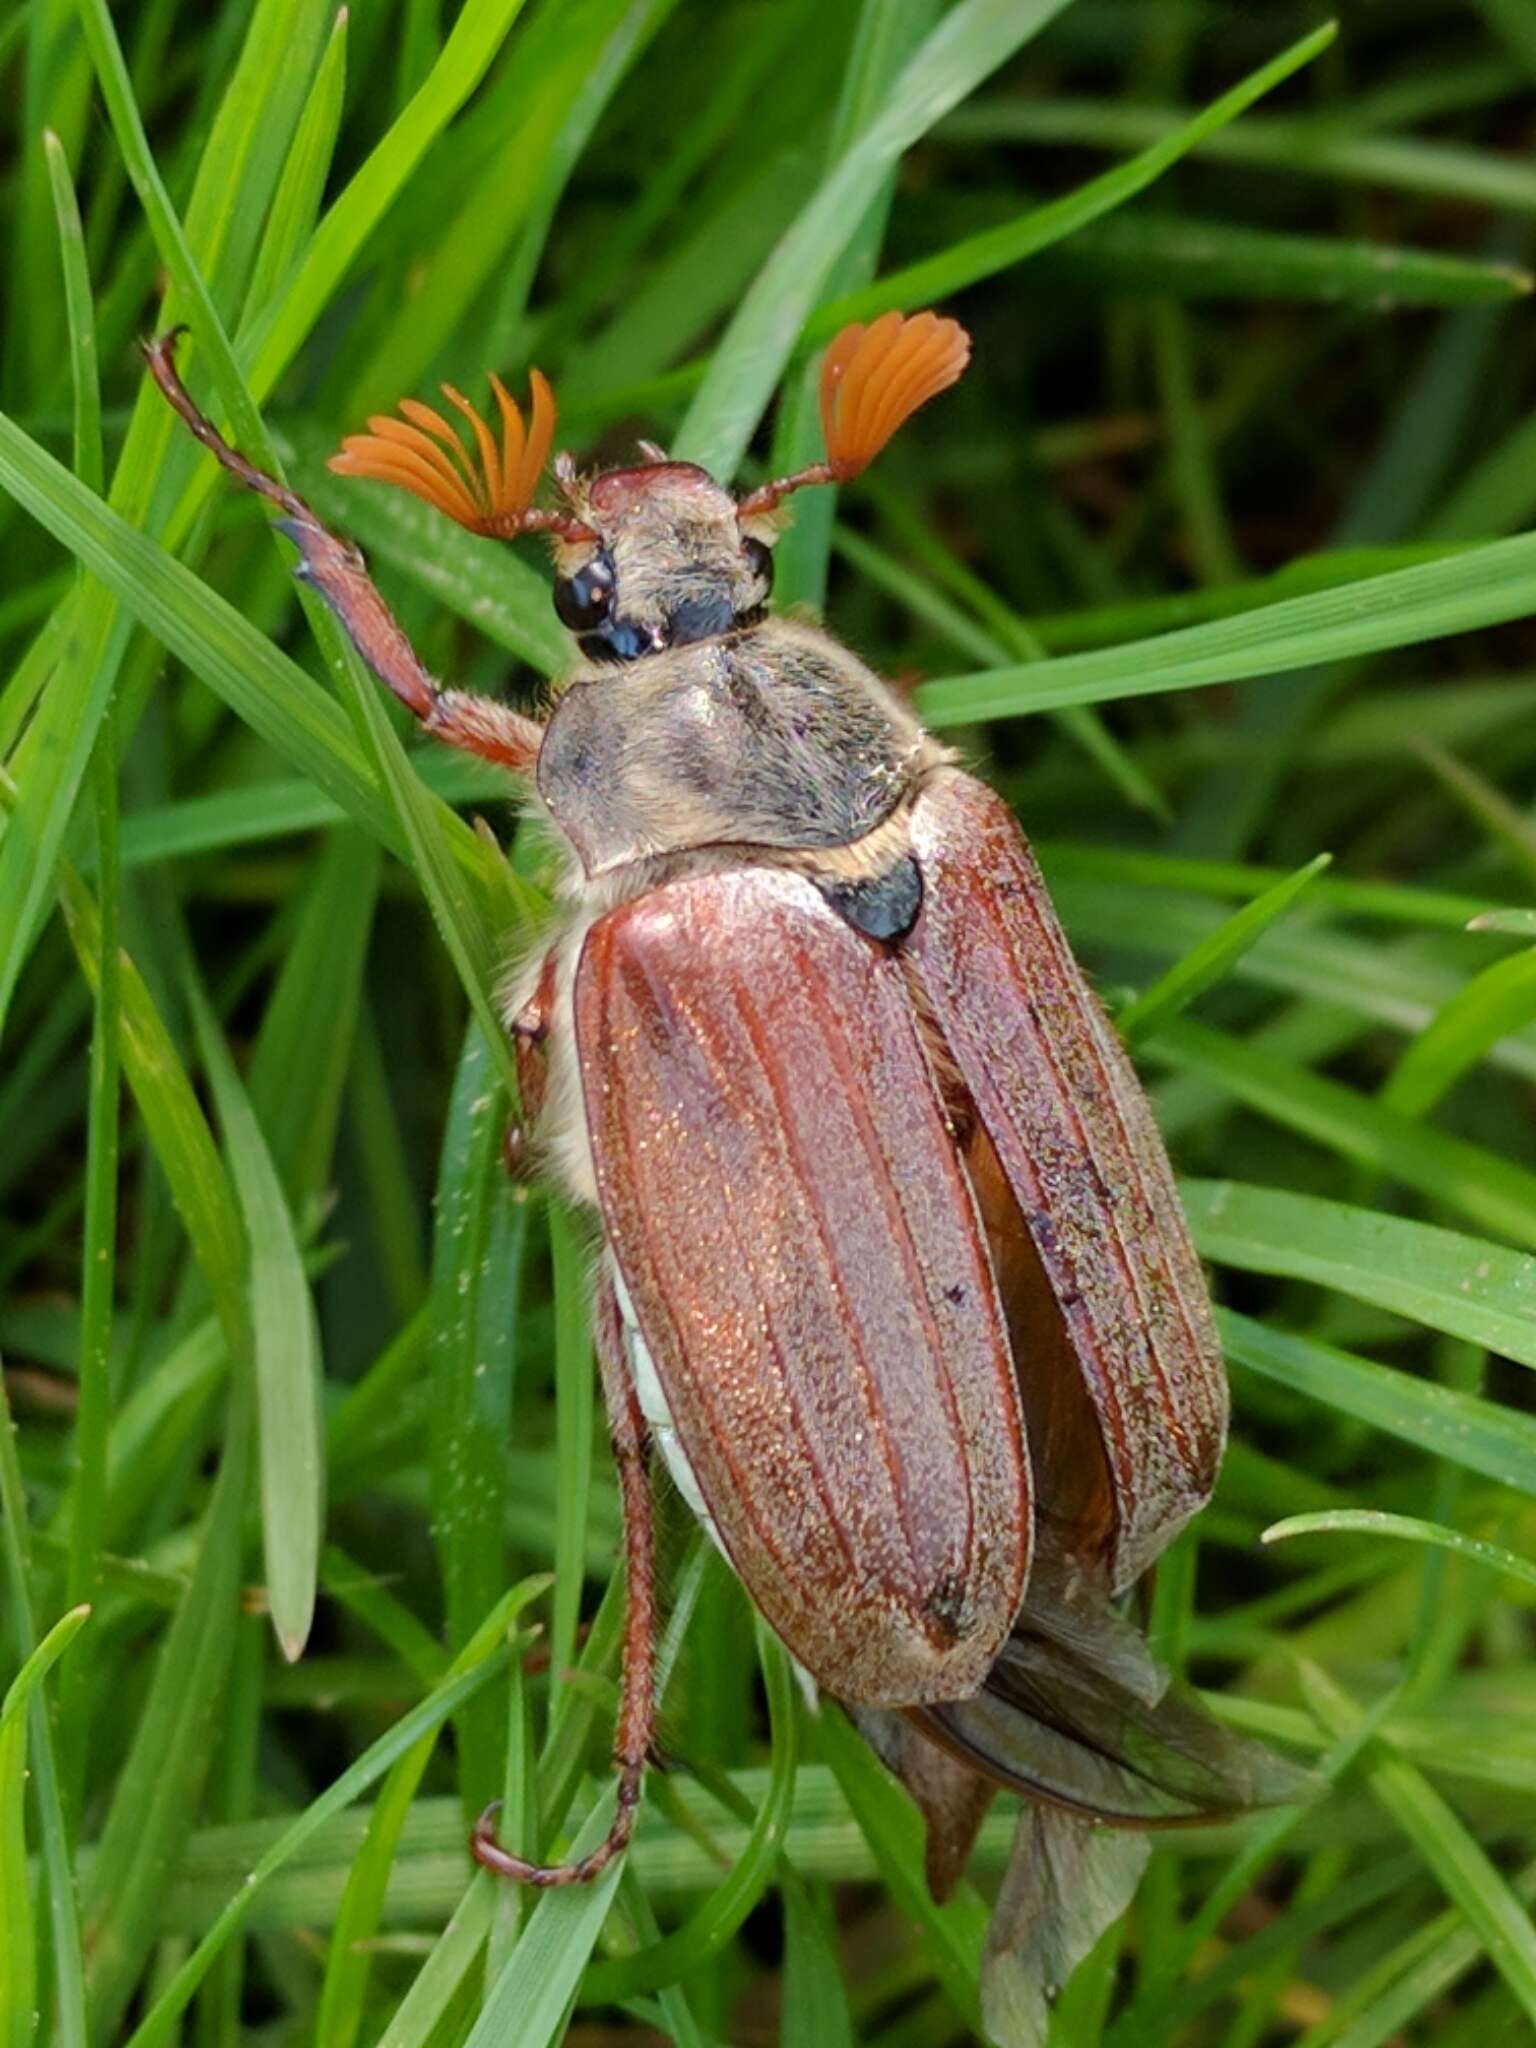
872 379
489 491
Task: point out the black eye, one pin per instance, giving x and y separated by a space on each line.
584 600
759 560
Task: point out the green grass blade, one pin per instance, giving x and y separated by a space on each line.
63 1913
476 36
192 296
286 1347
457 907
1189 258
296 202
209 634
815 2011
533 1994
453 1957
983 255
175 1121
1461 1427
672 1959
1519 923
1500 1000
163 1775
1213 957
1481 586
158 2024
476 1286
1002 633
1300 146
1468 1876
1409 1980
570 1259
1405 1529
298 1076
1491 1190
952 1933
968 44
884 38
349 1962
1465 1286
18 1961
99 1252
241 162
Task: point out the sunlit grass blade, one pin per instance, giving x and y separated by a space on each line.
466 55
211 635
457 908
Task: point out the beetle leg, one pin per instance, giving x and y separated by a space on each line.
637 1703
477 725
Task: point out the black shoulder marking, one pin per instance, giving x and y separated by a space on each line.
882 906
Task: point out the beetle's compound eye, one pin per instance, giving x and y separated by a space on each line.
759 560
584 600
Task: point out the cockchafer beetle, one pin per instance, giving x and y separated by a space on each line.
893 1270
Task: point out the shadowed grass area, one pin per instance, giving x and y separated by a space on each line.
1216 562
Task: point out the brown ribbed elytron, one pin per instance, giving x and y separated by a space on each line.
893 1270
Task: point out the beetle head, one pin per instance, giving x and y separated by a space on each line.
670 561
657 555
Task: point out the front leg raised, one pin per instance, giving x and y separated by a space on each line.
335 567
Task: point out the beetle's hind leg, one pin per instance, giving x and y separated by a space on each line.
477 725
637 1703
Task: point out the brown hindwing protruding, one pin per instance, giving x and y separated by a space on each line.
1075 1137
804 1264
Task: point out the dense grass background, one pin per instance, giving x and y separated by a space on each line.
1206 561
